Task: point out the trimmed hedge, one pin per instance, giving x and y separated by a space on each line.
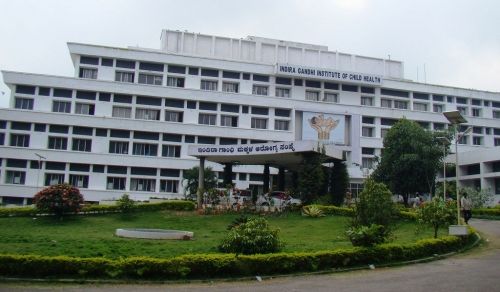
486 211
176 205
223 265
334 210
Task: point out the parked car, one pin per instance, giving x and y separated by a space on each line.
279 199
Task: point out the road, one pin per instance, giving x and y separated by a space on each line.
477 270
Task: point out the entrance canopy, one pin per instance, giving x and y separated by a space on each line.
281 154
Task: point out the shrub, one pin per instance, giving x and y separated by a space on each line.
59 199
437 213
251 237
334 210
375 206
478 198
367 236
125 204
312 211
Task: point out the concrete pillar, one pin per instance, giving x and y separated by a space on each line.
25 201
265 187
228 174
281 179
201 182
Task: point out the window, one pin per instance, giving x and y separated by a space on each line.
417 106
367 132
169 186
54 179
367 100
147 114
259 123
145 149
24 103
228 121
230 87
330 97
437 108
89 73
476 112
118 147
142 184
208 85
19 140
84 109
175 81
496 114
312 95
79 181
122 112
386 103
59 143
477 140
400 104
84 145
462 110
150 79
282 92
497 141
173 116
368 120
207 119
115 183
367 162
124 76
260 90
171 151
281 125
61 106
463 140
15 177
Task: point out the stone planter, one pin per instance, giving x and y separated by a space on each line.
459 230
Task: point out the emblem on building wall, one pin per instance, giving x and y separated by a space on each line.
323 126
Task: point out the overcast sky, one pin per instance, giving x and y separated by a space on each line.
458 41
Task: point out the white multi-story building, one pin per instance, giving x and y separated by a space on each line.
123 123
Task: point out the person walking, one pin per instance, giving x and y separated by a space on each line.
466 207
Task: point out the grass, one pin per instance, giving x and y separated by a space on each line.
93 236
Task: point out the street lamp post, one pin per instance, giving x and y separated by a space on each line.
40 157
445 141
455 118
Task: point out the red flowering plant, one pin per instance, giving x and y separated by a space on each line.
59 199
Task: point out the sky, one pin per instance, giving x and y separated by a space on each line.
455 42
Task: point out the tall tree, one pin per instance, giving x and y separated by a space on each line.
339 182
311 178
411 159
191 181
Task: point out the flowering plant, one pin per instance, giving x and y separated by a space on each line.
59 199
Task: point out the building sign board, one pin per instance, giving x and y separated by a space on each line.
323 127
327 74
251 149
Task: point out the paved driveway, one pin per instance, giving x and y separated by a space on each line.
477 270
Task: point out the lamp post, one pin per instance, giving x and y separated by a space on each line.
445 141
40 157
455 118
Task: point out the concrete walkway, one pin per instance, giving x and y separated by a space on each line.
477 270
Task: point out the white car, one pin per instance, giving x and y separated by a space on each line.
279 199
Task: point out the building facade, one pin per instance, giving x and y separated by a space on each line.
123 122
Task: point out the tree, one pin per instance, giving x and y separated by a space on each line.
479 198
311 178
339 182
191 181
437 213
59 199
374 206
411 159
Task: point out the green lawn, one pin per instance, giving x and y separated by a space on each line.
93 236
